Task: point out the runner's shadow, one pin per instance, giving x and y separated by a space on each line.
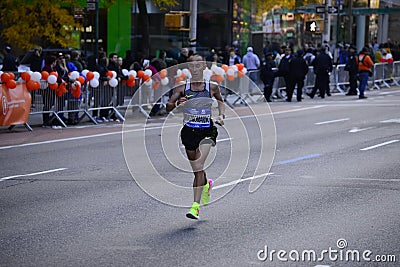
194 229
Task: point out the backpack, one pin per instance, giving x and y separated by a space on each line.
351 64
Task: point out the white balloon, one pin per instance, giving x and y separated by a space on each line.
114 74
94 83
178 73
244 70
36 76
148 72
133 72
207 73
230 72
165 81
84 72
234 67
30 72
125 72
74 75
96 75
149 82
113 82
52 79
1 72
77 83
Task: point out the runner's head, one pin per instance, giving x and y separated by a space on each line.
196 65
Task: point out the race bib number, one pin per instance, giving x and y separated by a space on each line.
197 118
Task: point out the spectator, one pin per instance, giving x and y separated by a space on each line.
48 94
128 60
99 93
10 62
284 70
233 58
183 56
251 63
364 64
267 75
298 70
75 61
36 60
322 69
352 68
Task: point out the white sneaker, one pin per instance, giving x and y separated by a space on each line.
56 127
105 119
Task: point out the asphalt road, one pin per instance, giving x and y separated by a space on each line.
67 197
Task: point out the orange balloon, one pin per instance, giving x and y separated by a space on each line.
30 85
45 75
12 76
25 76
163 73
55 73
109 74
231 77
5 77
156 85
11 84
145 78
131 83
81 79
225 67
240 74
131 78
219 78
53 86
140 74
37 85
89 76
240 66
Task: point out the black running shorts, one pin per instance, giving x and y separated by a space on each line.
192 137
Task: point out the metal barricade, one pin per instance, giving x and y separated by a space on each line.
102 101
341 78
396 72
378 75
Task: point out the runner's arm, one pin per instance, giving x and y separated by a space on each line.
175 99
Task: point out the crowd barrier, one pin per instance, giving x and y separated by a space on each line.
113 101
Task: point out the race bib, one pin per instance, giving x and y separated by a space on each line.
197 118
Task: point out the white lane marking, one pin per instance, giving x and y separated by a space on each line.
332 121
223 140
372 179
242 180
356 129
391 121
31 174
379 145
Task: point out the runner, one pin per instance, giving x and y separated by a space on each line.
198 133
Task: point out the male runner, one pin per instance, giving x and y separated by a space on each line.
198 133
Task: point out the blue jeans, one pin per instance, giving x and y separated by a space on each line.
363 77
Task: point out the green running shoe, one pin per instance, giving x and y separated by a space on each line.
194 211
205 196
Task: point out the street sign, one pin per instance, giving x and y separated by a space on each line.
91 6
333 9
320 9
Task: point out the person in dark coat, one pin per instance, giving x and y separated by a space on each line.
352 68
10 62
322 69
284 70
36 59
267 75
298 70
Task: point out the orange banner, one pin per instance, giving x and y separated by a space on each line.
15 105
